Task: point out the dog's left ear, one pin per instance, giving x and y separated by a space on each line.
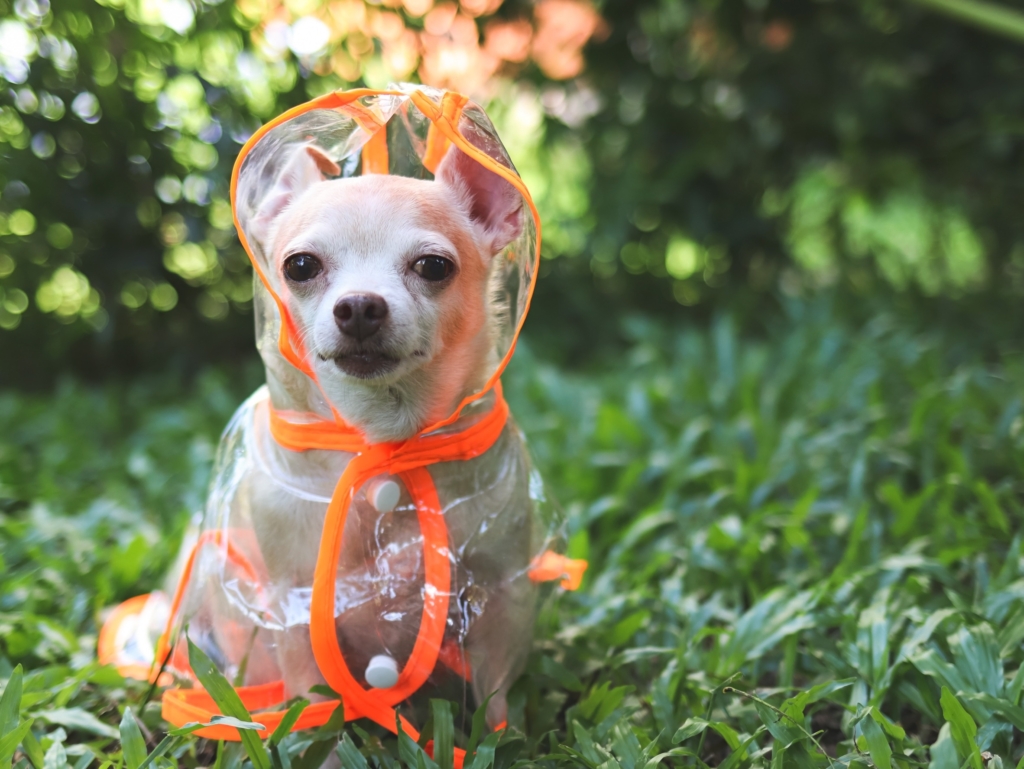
494 205
307 166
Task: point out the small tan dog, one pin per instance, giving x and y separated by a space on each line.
388 281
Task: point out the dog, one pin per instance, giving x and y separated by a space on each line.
389 282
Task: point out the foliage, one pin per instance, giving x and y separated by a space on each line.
710 152
740 144
803 544
119 124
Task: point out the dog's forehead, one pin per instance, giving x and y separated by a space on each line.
372 214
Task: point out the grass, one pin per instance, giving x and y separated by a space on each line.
805 551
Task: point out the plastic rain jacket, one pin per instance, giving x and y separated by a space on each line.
424 556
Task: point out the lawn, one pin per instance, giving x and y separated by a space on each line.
804 551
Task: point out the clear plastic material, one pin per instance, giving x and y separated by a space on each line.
253 620
463 562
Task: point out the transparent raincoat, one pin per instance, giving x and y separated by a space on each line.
423 558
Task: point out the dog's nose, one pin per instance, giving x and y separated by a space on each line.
360 315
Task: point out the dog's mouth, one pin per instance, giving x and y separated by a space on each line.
363 364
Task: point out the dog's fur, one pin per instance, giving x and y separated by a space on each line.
434 347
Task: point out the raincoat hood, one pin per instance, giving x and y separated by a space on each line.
404 131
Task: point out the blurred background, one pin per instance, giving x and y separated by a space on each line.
688 158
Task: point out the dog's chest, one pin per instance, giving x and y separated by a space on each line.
484 506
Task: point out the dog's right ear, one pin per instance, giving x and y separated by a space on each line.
307 166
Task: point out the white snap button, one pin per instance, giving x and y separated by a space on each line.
383 495
382 672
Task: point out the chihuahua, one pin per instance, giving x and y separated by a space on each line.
388 280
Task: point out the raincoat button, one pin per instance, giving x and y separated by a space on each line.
382 672
383 495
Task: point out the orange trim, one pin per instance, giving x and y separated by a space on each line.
550 566
437 146
106 644
319 434
375 153
107 650
182 706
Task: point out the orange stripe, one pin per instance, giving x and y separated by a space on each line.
375 153
437 146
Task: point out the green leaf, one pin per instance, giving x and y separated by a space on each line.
782 729
335 724
411 754
691 728
33 750
189 728
349 754
794 706
962 729
10 741
237 723
56 756
10 702
483 758
943 751
695 726
479 724
564 677
133 745
316 754
1013 688
81 720
167 745
740 753
324 691
227 699
444 734
1012 713
878 745
288 721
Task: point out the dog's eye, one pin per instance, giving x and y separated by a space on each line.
302 267
433 268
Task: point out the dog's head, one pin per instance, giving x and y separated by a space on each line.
387 279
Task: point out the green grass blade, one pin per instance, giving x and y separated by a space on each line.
133 745
878 745
10 702
227 699
962 729
479 725
288 721
349 754
409 753
33 750
444 734
989 16
483 758
315 754
9 742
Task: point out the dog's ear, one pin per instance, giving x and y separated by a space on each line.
307 166
494 205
